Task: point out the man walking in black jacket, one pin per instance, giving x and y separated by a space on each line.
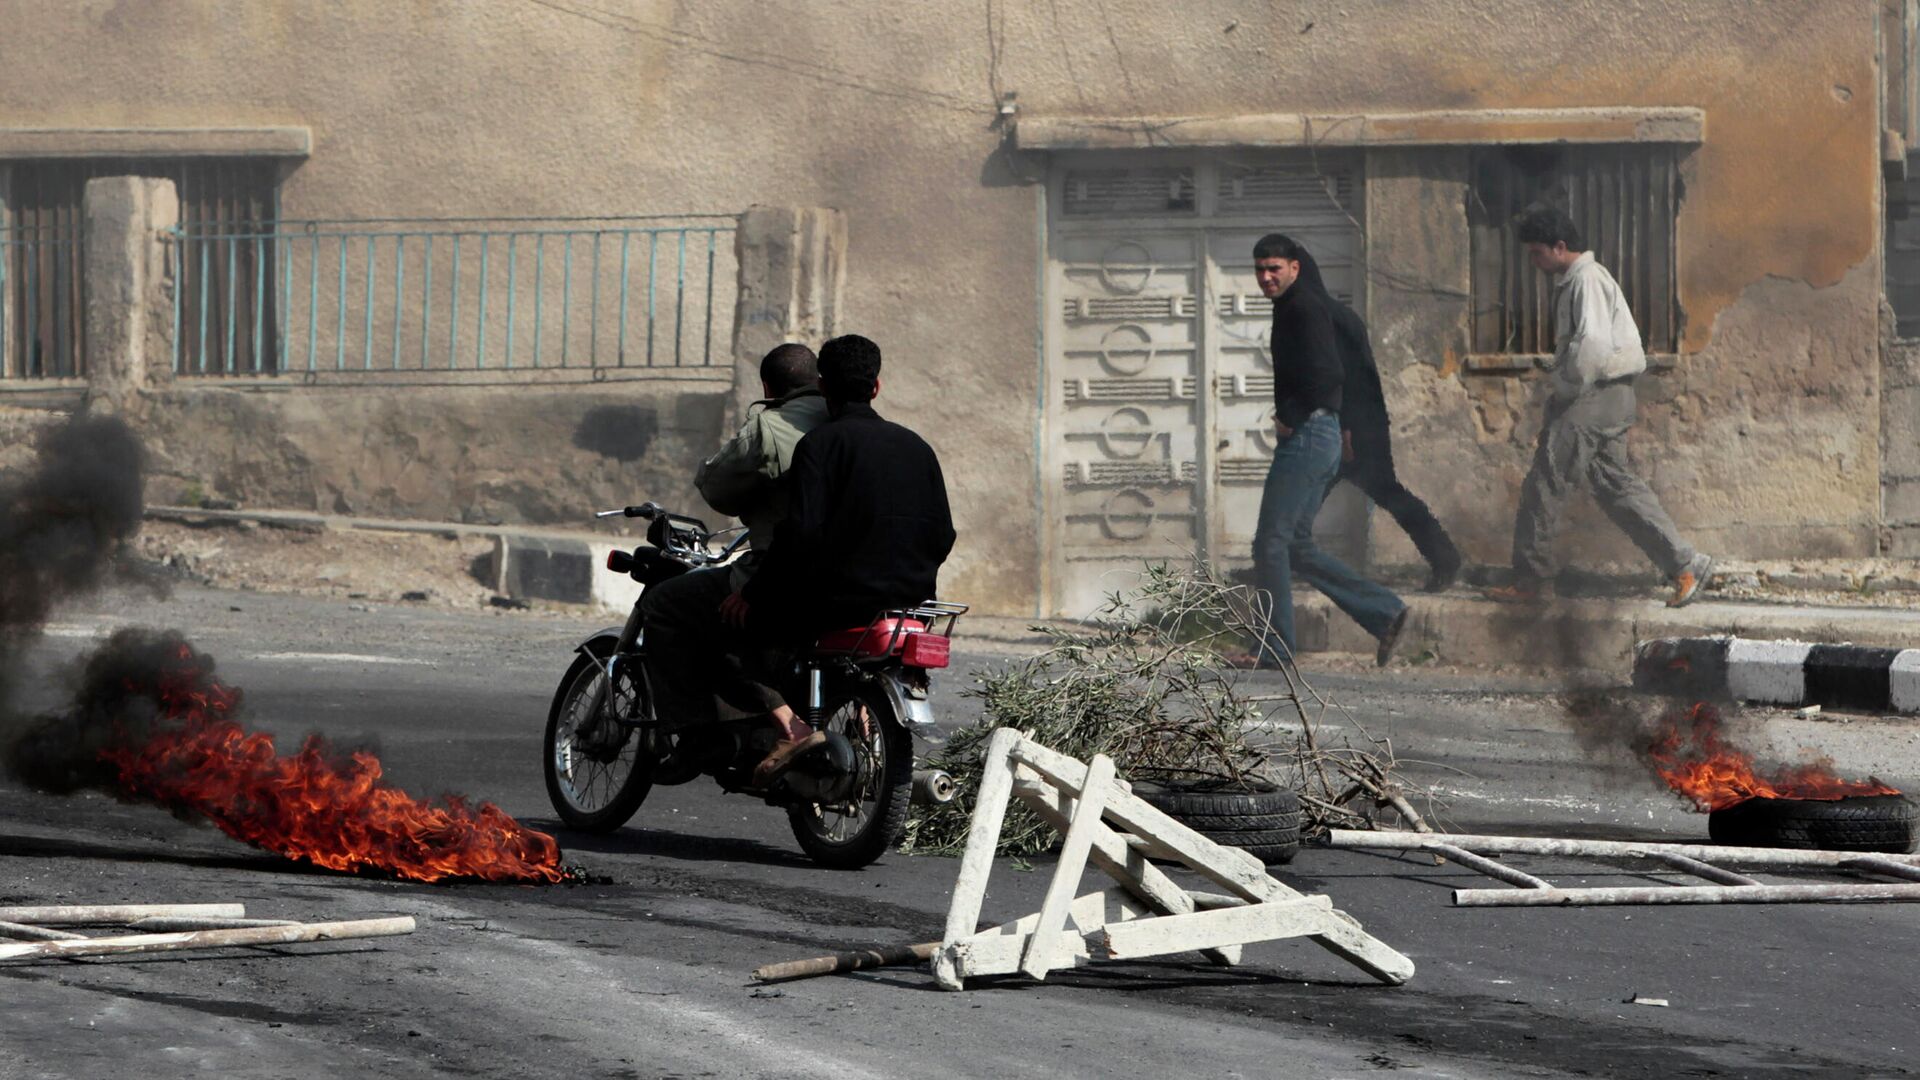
1307 392
1367 456
867 526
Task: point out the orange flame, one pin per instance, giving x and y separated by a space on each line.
1692 756
315 805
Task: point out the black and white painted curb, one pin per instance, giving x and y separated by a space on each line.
1781 673
568 570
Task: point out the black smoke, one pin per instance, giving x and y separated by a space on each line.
123 692
65 517
64 521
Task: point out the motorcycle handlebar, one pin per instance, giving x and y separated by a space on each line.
644 510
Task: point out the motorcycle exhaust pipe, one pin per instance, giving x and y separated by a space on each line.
932 787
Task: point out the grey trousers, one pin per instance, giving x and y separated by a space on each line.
1584 444
691 655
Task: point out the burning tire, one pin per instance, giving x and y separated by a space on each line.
1264 820
1879 823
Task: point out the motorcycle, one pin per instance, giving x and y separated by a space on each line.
868 687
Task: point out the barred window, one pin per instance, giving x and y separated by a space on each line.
1624 199
43 283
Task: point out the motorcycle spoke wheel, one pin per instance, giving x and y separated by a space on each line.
857 830
594 789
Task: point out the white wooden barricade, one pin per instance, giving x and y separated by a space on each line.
1145 913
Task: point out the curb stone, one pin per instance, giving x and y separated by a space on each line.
1864 677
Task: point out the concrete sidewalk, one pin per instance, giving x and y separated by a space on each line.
1594 632
1866 602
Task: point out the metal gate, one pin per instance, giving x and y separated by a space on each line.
1159 381
43 286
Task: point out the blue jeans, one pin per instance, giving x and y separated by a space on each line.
1304 465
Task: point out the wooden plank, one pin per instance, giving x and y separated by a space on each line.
1708 870
23 932
1072 864
997 954
1238 871
1541 845
1212 929
1087 913
1488 867
976 863
210 939
1113 855
82 914
1343 936
1685 894
1881 865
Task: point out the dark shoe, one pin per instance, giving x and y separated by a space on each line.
1688 583
1442 576
1392 637
785 753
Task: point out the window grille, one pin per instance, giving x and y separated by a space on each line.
1625 199
41 241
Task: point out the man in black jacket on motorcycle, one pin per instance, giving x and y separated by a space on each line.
867 527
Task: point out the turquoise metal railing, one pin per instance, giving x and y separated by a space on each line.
453 294
41 302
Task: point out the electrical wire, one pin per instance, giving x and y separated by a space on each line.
692 42
1066 54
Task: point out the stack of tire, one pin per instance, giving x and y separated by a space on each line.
1259 818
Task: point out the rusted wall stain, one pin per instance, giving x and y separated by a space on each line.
1786 182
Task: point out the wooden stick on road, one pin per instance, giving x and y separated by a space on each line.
890 956
154 924
23 932
210 939
81 914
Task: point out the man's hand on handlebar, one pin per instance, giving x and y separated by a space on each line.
733 611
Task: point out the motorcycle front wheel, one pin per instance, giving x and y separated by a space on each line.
595 789
852 834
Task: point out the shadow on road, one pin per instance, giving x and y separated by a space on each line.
44 847
672 845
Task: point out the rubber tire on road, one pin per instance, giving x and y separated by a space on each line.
633 789
1880 823
889 821
1265 821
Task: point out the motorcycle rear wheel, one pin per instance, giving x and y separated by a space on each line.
592 795
850 841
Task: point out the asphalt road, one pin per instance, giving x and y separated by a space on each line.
647 976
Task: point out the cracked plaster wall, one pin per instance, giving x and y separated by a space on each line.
1763 443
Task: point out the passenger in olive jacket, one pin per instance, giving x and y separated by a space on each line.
686 642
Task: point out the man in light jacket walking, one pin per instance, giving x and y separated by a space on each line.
1597 354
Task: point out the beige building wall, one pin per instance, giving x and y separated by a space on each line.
1763 441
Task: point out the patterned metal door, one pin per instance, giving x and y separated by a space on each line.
1152 299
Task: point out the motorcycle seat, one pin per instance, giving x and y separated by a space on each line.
882 637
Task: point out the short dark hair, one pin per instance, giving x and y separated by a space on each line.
849 368
789 367
1278 246
1549 225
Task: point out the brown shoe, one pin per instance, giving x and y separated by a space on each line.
785 753
1688 583
1520 592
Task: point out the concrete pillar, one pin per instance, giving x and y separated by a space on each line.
7 342
129 314
793 269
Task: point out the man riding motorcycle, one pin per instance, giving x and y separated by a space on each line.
686 641
867 528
